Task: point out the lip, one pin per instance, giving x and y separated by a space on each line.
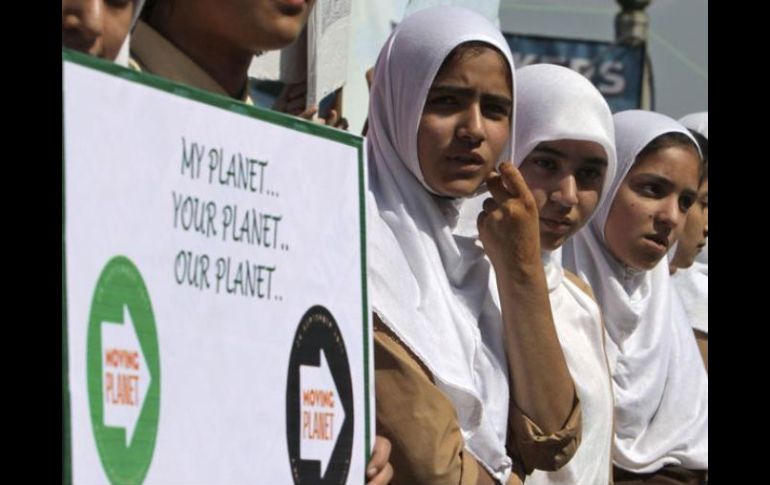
466 162
467 158
559 226
291 7
78 43
658 242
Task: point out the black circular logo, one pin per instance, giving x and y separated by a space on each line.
319 402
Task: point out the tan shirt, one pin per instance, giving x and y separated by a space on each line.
153 53
421 423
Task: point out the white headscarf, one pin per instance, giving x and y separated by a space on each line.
431 288
123 53
556 103
698 122
692 283
660 384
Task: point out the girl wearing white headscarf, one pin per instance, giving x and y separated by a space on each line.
461 372
659 382
565 148
691 277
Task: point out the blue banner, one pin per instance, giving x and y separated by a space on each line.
616 70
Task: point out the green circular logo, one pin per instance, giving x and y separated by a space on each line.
123 372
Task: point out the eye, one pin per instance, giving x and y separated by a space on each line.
544 163
590 174
443 101
685 202
652 190
496 110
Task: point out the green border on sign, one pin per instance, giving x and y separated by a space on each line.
364 300
233 106
66 433
214 99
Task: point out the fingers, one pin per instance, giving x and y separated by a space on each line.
489 205
295 108
308 113
342 124
496 188
294 91
333 118
513 180
291 99
384 477
480 220
380 456
506 183
380 471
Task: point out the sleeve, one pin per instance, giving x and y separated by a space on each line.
530 449
418 419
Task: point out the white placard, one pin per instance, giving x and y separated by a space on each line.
215 290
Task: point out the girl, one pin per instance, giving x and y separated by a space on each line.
565 149
660 385
471 383
209 44
689 266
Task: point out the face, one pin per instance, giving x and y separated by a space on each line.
252 25
96 27
465 123
649 210
696 230
566 179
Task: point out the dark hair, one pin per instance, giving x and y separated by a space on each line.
673 139
703 143
474 48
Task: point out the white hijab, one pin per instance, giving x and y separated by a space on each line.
698 122
431 288
692 283
123 53
556 103
660 384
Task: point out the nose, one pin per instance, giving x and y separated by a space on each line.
471 125
82 17
668 213
566 192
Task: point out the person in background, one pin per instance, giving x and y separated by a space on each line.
689 267
209 44
99 27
